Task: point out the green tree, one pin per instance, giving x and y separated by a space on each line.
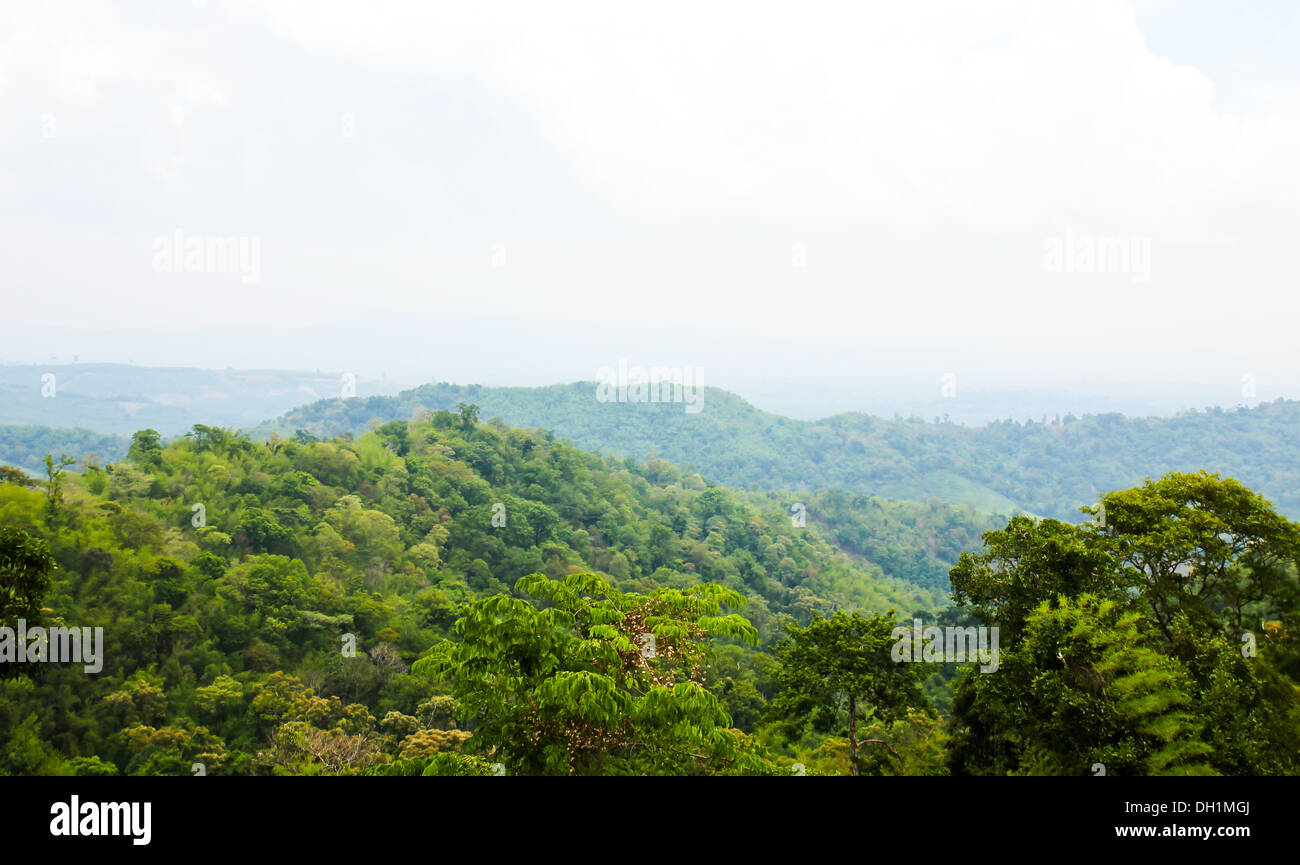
146 448
1204 546
11 475
837 671
594 681
1123 638
1029 562
25 568
54 482
468 415
1087 685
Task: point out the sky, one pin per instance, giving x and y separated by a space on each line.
823 206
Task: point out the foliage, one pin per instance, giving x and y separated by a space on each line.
1129 642
594 681
25 566
837 672
263 603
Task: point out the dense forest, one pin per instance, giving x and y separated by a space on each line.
25 445
1050 468
914 541
449 596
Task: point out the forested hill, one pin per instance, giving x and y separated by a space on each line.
25 446
225 570
385 604
1050 469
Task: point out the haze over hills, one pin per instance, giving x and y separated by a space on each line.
999 468
91 409
795 377
122 398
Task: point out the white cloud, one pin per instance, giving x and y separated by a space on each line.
923 151
995 115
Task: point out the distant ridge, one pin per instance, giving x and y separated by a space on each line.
1046 469
122 398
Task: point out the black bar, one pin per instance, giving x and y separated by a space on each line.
370 815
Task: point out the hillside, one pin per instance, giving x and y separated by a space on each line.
1049 469
24 446
434 596
225 571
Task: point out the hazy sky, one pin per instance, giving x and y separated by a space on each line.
848 197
